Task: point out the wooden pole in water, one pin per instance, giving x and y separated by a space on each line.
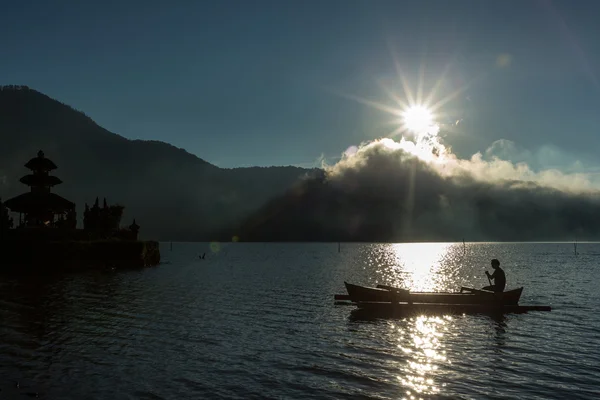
339 246
171 246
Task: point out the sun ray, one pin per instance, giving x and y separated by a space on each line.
399 131
393 96
437 85
420 83
456 93
418 115
374 104
405 86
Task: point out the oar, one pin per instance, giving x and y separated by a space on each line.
489 280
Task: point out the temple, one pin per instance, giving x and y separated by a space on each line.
47 226
106 218
40 207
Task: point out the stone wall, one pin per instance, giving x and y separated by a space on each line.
65 234
79 255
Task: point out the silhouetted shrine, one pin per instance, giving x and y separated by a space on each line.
47 232
105 218
40 207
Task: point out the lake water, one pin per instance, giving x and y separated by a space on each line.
258 321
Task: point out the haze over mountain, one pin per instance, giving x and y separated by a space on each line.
402 191
173 195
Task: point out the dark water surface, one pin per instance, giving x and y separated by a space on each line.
258 321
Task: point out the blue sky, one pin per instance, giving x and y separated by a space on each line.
243 83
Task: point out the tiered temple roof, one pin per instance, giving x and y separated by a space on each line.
41 163
39 205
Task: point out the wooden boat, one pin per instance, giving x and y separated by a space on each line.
393 310
358 293
389 294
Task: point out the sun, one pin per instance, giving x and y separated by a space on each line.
418 119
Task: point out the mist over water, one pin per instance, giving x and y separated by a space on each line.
417 189
258 321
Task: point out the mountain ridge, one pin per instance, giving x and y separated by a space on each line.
379 194
173 194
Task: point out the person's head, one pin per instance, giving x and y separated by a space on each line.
495 263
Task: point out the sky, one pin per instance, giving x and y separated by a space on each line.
241 83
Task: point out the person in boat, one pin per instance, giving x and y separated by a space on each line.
498 276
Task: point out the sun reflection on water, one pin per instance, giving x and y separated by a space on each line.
420 339
423 345
420 267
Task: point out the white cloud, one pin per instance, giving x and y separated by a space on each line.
503 161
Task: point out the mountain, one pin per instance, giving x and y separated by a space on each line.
382 193
385 195
173 194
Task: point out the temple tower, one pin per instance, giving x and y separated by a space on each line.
40 207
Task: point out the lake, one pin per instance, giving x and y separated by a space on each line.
259 321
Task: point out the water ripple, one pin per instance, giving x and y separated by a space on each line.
256 321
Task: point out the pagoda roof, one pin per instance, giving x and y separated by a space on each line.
28 202
40 163
40 180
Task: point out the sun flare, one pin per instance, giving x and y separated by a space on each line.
418 119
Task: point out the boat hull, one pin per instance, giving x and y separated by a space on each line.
358 293
362 293
399 310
